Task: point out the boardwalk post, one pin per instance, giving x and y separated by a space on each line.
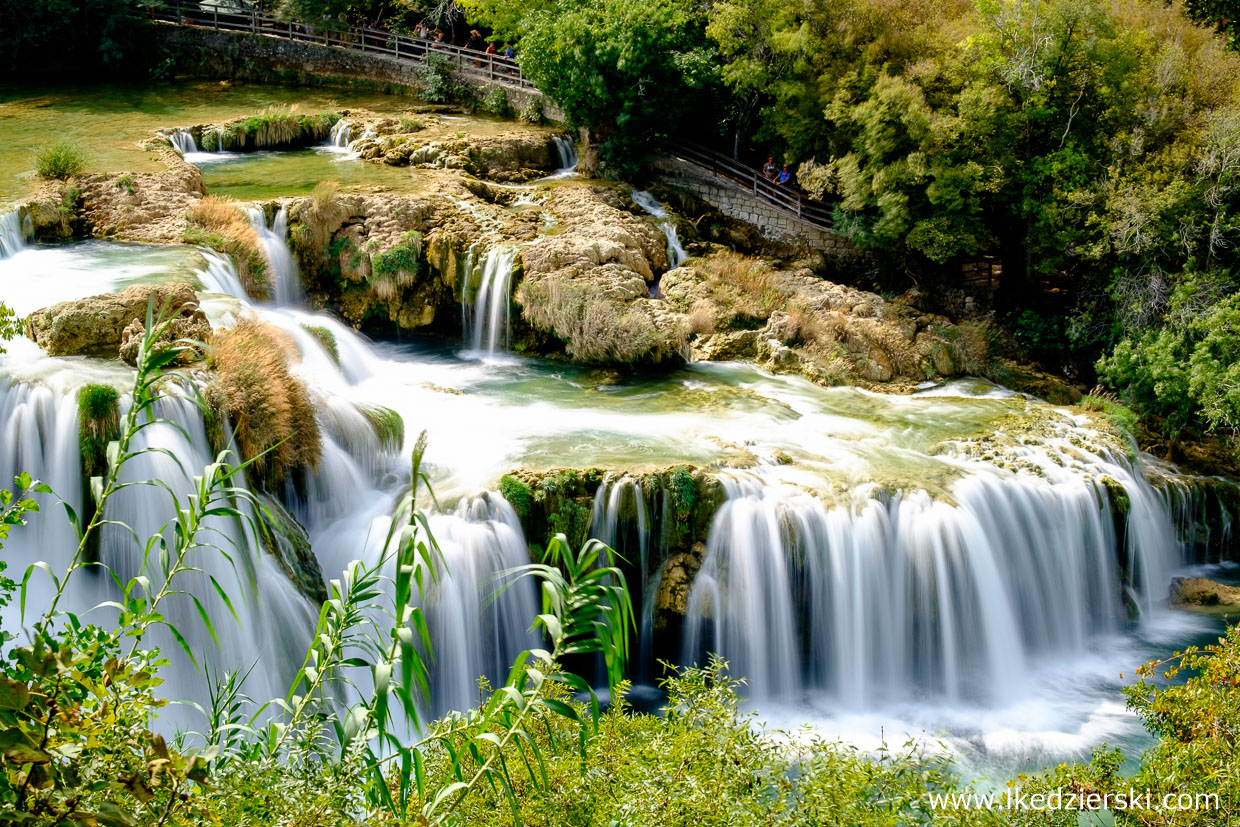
215 11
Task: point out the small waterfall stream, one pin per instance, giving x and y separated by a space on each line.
568 155
487 319
15 229
675 251
285 278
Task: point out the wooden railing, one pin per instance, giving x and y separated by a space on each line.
785 196
468 63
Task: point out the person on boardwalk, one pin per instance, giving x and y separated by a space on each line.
769 169
785 175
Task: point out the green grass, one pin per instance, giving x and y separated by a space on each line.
326 338
388 425
60 160
98 424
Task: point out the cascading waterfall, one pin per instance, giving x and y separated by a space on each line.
621 519
182 141
285 277
15 228
675 252
568 154
487 319
344 506
338 138
873 599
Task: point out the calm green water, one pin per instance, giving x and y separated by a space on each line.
109 121
258 175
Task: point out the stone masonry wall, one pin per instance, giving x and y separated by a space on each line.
735 201
262 59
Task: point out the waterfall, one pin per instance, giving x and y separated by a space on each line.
15 228
874 599
285 278
182 141
568 155
339 135
487 321
675 252
344 505
621 519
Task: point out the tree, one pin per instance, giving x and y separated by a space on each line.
626 70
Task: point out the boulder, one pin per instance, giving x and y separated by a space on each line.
193 327
725 347
96 325
1201 593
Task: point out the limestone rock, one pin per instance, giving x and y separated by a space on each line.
723 347
96 324
677 582
191 328
1201 593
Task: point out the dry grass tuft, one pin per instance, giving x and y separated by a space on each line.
702 317
268 406
221 225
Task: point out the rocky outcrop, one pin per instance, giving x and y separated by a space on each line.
507 152
97 325
589 283
1201 593
789 320
188 331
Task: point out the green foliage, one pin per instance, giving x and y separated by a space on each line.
532 110
274 129
388 426
495 100
126 183
519 496
627 70
435 80
1123 418
86 35
325 338
10 324
60 160
683 498
99 424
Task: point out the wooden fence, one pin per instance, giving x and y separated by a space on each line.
469 63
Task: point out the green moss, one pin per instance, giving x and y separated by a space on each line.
404 258
98 424
326 338
519 495
126 183
274 130
387 424
683 498
571 519
1121 417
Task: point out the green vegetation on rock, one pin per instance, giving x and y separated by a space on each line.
60 160
98 424
325 338
388 426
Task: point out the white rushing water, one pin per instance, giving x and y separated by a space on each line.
487 318
567 151
675 251
960 594
15 229
285 278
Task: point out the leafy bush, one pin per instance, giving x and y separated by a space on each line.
532 110
60 160
495 101
435 79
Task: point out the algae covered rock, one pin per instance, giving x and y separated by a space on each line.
96 325
1202 593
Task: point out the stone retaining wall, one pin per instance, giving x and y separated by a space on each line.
735 201
262 59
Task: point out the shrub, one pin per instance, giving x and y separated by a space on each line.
219 224
99 423
531 110
397 267
495 101
435 83
60 160
269 408
518 494
409 123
